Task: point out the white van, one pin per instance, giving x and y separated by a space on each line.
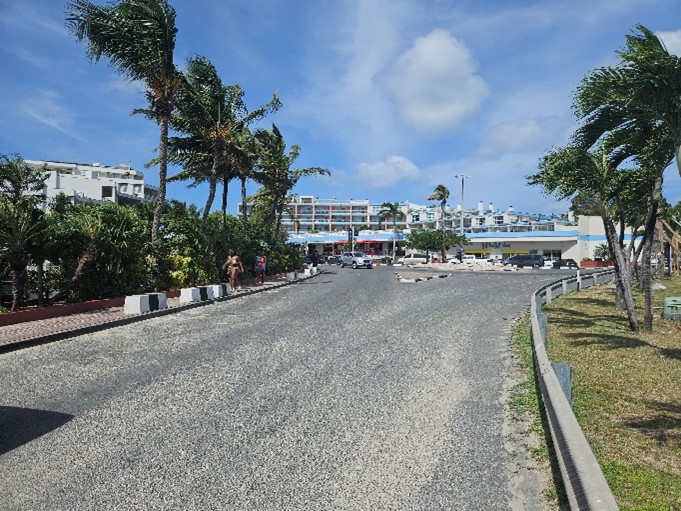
414 259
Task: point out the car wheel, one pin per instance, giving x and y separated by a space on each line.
354 265
341 264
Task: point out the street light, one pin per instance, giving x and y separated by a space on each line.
463 179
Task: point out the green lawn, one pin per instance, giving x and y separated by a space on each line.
626 391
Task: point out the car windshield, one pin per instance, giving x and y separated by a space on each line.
358 254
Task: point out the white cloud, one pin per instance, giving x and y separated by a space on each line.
672 40
520 135
384 174
435 82
44 107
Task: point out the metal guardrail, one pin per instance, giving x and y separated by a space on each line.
584 482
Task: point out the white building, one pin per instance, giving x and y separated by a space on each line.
493 233
94 183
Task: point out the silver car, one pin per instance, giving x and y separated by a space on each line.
356 260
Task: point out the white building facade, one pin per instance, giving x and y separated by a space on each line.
492 233
94 183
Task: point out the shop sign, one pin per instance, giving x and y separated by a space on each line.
496 244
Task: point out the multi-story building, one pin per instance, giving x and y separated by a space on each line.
492 233
93 182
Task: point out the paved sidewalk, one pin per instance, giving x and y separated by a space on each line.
31 333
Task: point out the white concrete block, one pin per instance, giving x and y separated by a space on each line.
136 304
292 276
190 295
218 290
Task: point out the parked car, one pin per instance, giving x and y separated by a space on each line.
413 259
565 263
523 260
356 260
334 259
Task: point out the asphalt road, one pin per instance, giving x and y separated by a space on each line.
349 391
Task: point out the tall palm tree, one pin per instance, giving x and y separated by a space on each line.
392 210
138 38
570 170
276 175
643 89
441 194
634 108
212 115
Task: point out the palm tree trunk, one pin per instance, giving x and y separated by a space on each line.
621 271
212 185
162 175
18 267
88 257
244 211
225 189
646 271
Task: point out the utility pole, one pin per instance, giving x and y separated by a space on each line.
463 178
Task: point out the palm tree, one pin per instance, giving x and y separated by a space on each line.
634 109
213 116
21 221
275 173
138 38
641 92
392 210
441 194
570 170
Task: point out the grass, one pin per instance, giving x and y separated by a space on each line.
626 392
527 411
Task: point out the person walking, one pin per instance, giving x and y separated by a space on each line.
234 267
260 266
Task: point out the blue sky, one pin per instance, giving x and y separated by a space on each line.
392 96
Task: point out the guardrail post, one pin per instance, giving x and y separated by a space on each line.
579 281
548 295
564 282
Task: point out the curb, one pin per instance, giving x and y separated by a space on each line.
65 334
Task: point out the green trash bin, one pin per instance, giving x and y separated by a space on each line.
672 308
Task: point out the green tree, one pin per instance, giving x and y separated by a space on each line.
138 38
276 175
21 221
99 251
392 211
633 110
213 116
441 194
567 171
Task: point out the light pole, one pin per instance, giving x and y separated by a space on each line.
463 179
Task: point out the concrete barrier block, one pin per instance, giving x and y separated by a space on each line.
218 290
157 301
136 304
292 276
190 295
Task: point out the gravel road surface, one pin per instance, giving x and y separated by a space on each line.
348 391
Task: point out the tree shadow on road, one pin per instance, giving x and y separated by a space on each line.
18 426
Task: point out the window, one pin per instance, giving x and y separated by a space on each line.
107 192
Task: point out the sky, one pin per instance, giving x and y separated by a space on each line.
393 97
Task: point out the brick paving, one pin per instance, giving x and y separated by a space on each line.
45 330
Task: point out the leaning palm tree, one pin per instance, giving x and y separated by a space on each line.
634 107
212 115
392 210
138 38
275 173
441 194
